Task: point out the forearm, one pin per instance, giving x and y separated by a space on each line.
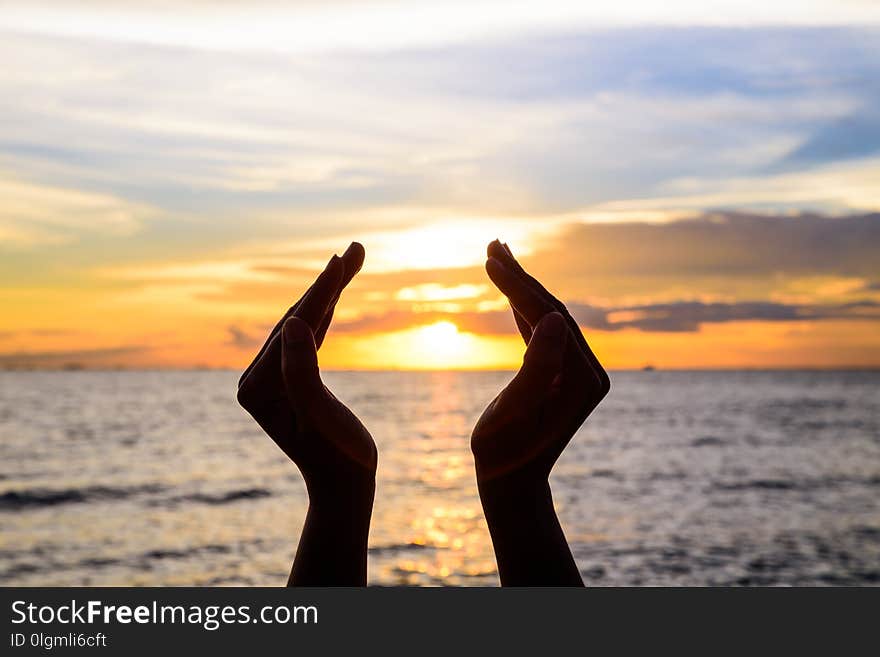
530 546
332 549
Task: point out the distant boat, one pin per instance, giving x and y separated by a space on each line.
648 368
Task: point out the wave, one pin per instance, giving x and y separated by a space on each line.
708 441
91 564
399 547
219 498
17 500
759 484
803 484
38 498
160 554
610 474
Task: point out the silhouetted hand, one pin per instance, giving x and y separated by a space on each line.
283 391
523 431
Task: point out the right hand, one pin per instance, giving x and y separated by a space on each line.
528 425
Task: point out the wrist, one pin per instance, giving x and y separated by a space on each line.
343 492
513 493
527 480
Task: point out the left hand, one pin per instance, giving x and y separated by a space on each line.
283 391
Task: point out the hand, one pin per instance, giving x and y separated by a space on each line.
528 425
523 431
283 391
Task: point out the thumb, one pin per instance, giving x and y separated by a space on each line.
299 367
542 362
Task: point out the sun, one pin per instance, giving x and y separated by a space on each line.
440 339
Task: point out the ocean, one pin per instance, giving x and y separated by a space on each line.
678 478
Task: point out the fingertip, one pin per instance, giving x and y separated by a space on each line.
353 259
493 264
296 332
354 254
336 269
552 326
548 341
299 365
494 249
544 358
497 272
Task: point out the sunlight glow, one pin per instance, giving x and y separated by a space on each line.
442 339
443 245
435 292
437 346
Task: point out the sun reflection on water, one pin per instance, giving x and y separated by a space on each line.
445 540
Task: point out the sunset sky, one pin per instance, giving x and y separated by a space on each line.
698 181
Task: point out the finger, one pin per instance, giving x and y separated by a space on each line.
525 330
524 300
316 302
264 375
503 253
353 260
542 364
275 330
299 368
496 250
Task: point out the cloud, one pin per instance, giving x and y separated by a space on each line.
37 333
524 125
493 322
71 359
667 276
33 214
242 339
689 316
718 244
298 27
676 317
723 257
853 136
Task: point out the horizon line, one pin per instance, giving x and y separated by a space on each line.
645 369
